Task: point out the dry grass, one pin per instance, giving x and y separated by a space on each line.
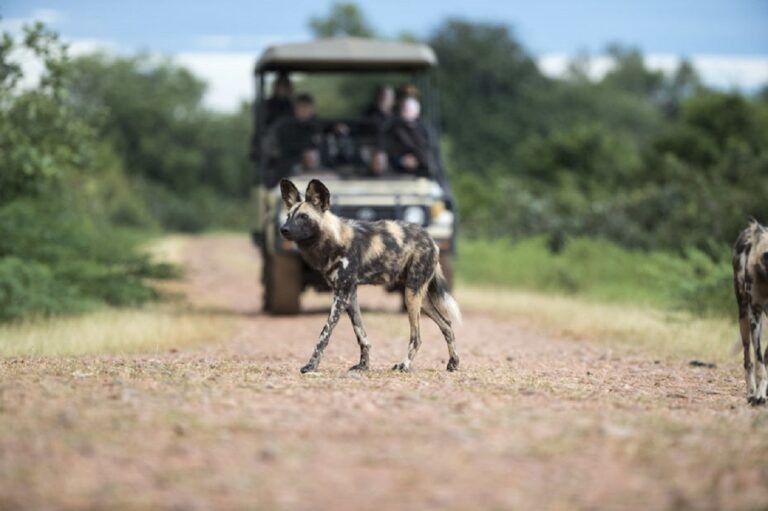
659 333
113 331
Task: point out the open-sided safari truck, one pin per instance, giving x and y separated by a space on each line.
353 67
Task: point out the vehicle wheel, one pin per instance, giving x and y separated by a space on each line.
282 284
446 263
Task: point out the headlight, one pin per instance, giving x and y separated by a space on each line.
366 214
437 209
414 215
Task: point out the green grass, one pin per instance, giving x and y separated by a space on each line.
601 271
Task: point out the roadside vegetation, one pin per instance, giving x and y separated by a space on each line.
601 271
658 302
627 189
59 250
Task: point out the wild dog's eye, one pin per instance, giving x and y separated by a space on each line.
303 216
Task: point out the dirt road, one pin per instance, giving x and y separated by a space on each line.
529 422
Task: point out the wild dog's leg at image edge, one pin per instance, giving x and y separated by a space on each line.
340 303
353 309
762 376
749 368
742 288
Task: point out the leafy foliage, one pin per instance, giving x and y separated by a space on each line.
58 190
344 19
38 135
641 158
603 271
151 112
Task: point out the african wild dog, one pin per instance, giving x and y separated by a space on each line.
349 253
750 278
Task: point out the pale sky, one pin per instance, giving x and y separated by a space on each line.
220 41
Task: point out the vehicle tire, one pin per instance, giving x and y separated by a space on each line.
282 281
446 263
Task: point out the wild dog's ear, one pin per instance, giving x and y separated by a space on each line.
755 225
290 193
318 195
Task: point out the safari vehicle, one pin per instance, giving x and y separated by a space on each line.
426 200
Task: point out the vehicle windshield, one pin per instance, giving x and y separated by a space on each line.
344 124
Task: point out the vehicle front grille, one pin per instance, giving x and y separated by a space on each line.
367 212
371 213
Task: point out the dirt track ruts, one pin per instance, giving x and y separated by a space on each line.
529 422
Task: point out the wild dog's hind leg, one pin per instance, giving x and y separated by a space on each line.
353 309
413 302
762 376
339 305
444 324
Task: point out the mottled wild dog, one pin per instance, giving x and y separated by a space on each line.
349 253
750 278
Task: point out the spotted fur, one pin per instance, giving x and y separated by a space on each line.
349 253
750 278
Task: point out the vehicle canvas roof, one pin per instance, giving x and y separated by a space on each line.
347 54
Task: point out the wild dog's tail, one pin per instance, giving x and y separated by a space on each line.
441 299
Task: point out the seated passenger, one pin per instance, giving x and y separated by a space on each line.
408 142
280 104
378 164
310 160
339 145
380 110
405 91
297 134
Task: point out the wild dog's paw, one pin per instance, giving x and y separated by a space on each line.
359 367
402 367
755 401
453 364
309 368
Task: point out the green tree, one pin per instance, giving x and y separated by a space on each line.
151 112
492 93
39 137
344 19
58 251
630 74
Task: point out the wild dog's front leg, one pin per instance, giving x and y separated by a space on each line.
362 339
339 305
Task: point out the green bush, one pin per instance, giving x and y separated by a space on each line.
601 270
30 288
56 259
196 210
